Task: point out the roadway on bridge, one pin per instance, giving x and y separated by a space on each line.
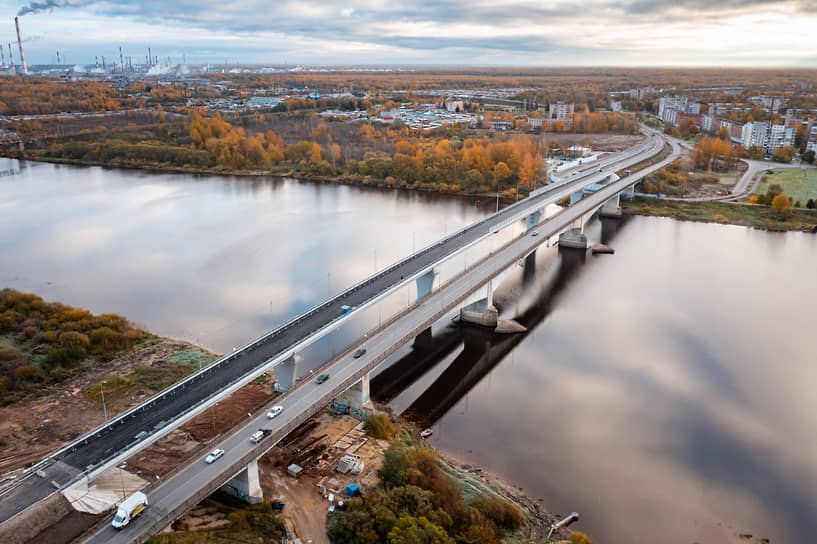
157 413
197 480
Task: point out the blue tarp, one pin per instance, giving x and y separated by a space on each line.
352 490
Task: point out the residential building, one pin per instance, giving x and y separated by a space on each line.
779 136
669 106
769 103
560 111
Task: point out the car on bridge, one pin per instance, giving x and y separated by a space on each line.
322 378
213 455
359 353
274 411
259 435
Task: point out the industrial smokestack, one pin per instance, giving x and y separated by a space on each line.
150 56
20 43
11 58
2 57
103 63
121 60
96 61
58 59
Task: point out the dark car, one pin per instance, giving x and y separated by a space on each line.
322 378
359 353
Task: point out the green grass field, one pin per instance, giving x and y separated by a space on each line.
798 183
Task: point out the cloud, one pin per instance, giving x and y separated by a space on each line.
521 32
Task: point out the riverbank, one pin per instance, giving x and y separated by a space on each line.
356 180
727 213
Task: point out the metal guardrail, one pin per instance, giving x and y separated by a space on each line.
253 344
293 322
561 220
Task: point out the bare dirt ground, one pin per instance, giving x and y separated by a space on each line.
44 422
599 142
316 446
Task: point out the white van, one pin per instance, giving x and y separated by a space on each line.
129 509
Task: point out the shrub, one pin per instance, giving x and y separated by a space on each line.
503 513
379 426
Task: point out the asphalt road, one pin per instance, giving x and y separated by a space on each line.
156 413
195 481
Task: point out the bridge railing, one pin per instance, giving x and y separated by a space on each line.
253 344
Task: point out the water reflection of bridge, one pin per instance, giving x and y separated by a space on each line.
482 349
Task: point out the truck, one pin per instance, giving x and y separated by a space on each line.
129 509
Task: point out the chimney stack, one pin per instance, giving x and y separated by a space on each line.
2 57
20 43
11 58
150 56
121 60
58 59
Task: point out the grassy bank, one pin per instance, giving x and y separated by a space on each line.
42 343
761 217
800 184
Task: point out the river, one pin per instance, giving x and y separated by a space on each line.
664 392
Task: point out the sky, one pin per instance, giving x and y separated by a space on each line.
442 32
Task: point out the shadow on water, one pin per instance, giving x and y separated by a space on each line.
484 349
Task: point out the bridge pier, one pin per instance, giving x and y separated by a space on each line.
482 312
286 374
532 220
356 396
572 239
246 485
425 284
611 209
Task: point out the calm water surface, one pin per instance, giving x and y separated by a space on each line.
665 392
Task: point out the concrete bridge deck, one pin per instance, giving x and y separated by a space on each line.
197 480
123 435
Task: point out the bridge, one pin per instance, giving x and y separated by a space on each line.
135 429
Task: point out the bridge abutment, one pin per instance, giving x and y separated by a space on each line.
246 485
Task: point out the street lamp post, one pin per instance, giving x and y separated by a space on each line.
104 408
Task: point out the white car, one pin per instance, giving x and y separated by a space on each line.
274 411
215 454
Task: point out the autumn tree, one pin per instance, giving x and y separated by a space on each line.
781 204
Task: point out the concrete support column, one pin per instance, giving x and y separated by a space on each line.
286 373
246 485
425 284
356 396
575 197
611 208
572 239
532 220
482 312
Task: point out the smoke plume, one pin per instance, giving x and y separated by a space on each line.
36 7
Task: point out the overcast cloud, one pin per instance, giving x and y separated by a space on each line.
500 32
